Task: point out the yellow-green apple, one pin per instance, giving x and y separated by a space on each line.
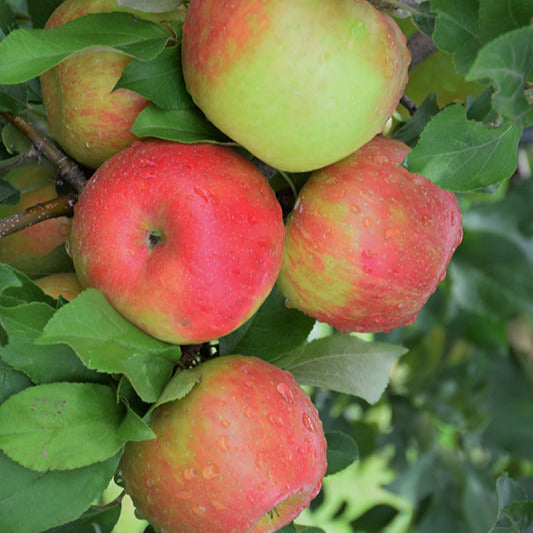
63 284
85 116
38 250
243 451
368 242
300 84
185 240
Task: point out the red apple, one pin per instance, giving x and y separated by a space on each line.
84 116
368 242
186 241
243 451
300 84
39 249
63 284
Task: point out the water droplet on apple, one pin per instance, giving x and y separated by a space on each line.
367 222
426 220
275 419
308 422
285 392
222 443
355 209
189 474
209 472
184 495
225 423
260 461
199 510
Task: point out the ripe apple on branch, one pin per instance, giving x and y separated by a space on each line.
185 237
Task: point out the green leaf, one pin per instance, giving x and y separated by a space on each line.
255 337
508 62
410 132
342 451
509 491
472 157
133 428
497 17
31 501
517 517
187 125
11 381
107 342
457 31
40 11
344 363
61 426
16 98
179 386
7 19
481 280
25 53
8 194
16 288
42 364
95 520
159 80
509 410
14 140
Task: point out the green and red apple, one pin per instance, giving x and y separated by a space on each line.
299 84
243 451
63 284
368 242
86 117
185 240
38 250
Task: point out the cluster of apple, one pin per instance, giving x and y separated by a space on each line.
187 240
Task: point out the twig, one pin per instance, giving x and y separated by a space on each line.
421 47
68 168
408 104
58 207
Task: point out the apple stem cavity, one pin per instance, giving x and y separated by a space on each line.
155 237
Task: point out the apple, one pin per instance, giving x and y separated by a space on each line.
39 249
367 241
184 240
85 116
299 84
63 284
243 451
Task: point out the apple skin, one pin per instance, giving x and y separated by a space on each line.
368 242
88 120
184 240
63 284
38 250
243 451
297 92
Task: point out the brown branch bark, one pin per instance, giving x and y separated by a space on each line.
58 207
68 168
421 47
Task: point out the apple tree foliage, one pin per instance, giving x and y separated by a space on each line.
429 427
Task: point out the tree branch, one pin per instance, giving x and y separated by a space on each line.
58 207
68 168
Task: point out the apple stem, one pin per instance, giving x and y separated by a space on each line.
58 207
68 168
